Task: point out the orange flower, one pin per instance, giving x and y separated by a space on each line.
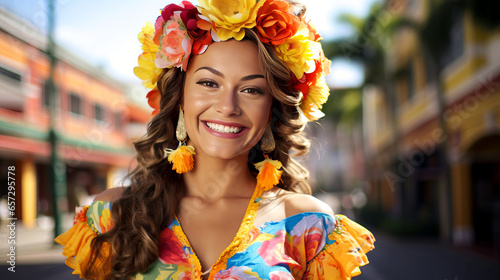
181 158
81 216
154 100
269 175
175 45
276 22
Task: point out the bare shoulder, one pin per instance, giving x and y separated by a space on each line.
300 203
110 194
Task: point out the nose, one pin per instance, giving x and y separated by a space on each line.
227 103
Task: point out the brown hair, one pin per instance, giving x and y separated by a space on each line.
149 204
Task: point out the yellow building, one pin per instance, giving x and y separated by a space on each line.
407 174
94 120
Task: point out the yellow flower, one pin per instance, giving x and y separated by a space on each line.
146 37
230 18
316 97
299 52
147 71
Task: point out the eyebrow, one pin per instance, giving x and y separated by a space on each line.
251 77
216 72
210 69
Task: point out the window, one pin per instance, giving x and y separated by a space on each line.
12 94
118 120
10 74
46 96
75 104
98 112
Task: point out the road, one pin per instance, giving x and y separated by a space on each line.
425 259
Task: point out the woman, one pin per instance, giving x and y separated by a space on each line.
216 194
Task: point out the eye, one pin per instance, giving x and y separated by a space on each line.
207 83
253 90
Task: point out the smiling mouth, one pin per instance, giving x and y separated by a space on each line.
224 128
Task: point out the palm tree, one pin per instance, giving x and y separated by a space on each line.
369 46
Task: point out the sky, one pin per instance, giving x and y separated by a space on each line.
104 32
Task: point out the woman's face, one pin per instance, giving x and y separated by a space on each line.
226 100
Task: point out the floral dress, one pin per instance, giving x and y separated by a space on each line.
309 245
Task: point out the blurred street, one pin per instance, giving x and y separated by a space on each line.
418 259
37 257
393 259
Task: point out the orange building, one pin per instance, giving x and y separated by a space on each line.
93 119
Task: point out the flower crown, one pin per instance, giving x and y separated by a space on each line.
183 30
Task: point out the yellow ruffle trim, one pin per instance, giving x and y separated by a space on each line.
77 246
342 259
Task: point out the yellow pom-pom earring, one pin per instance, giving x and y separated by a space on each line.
269 173
181 158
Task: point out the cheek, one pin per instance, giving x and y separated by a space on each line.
261 115
192 109
264 111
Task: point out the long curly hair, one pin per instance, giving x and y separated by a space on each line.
150 203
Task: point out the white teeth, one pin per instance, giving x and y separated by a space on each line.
223 129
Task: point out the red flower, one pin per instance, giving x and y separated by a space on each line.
170 250
154 100
276 22
308 79
198 28
187 12
201 35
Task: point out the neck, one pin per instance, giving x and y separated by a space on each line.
214 178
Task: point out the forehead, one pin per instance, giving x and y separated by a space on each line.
229 57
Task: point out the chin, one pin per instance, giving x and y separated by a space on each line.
224 154
223 151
